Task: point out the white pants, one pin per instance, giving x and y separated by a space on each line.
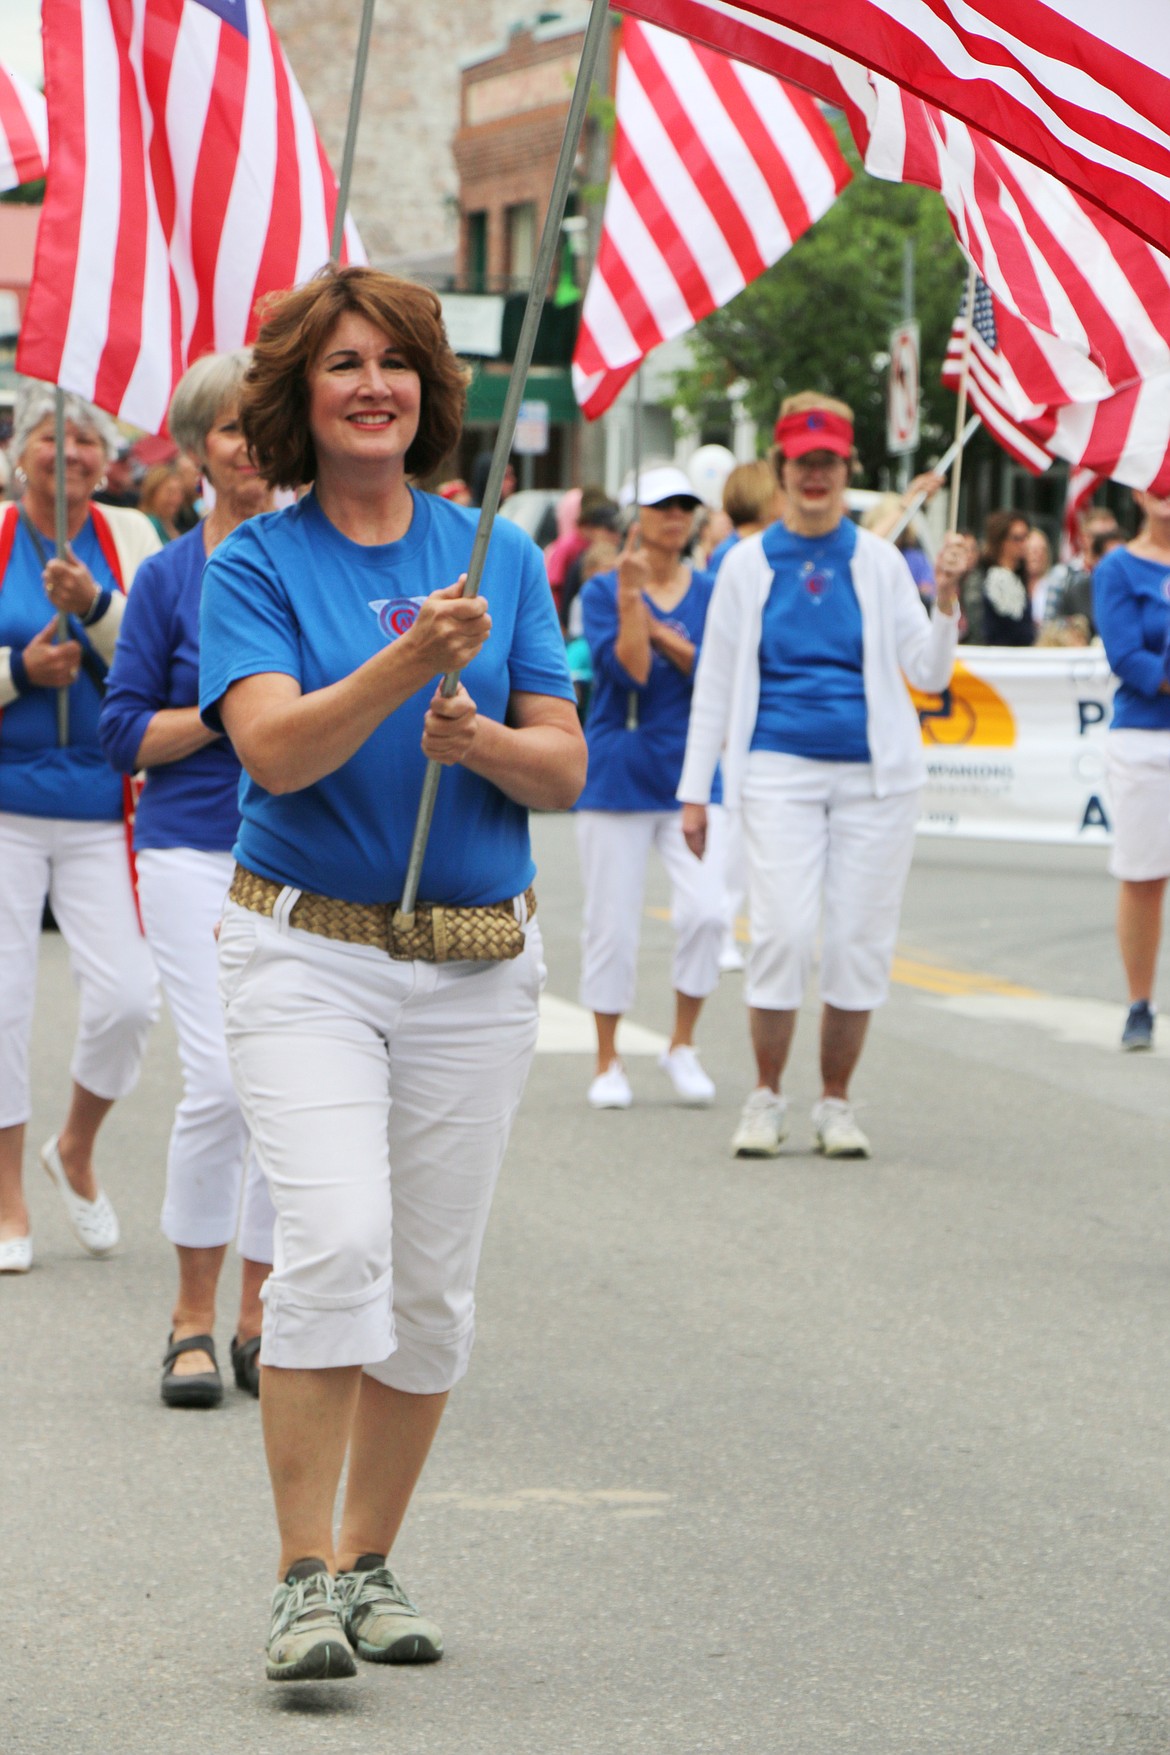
734 863
182 893
379 1096
84 871
1138 777
815 833
614 847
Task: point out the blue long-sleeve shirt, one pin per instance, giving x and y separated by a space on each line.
192 802
1131 606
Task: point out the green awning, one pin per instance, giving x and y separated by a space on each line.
485 399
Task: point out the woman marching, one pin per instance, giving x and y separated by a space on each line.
184 829
61 829
379 1070
644 624
1131 603
800 688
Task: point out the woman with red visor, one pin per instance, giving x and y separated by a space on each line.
800 693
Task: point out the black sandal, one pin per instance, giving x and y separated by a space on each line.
202 1389
246 1365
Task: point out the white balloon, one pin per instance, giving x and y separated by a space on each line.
709 468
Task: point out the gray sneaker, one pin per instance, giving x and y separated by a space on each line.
307 1640
382 1623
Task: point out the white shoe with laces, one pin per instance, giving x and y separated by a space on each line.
836 1130
611 1088
763 1125
683 1068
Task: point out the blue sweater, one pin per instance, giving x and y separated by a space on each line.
1131 606
192 802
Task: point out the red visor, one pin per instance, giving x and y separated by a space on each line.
814 429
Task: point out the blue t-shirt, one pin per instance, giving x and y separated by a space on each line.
636 749
720 553
37 778
812 690
193 802
288 592
1131 607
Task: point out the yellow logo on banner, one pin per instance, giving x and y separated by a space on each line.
969 712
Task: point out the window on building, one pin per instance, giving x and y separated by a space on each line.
521 224
477 252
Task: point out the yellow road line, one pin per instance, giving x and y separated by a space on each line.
917 971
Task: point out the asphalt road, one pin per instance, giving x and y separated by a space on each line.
868 1458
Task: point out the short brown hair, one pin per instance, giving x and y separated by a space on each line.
749 493
274 401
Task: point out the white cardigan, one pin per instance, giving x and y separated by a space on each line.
900 644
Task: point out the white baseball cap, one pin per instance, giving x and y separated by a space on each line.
664 481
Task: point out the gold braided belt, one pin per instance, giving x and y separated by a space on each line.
491 934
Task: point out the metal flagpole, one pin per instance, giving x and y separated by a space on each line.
632 695
961 412
61 535
940 468
355 110
590 56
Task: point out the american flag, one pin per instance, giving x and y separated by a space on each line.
717 170
1079 87
187 181
24 131
989 390
1082 303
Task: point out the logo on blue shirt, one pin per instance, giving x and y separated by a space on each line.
396 614
817 580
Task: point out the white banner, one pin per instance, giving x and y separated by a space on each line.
1015 748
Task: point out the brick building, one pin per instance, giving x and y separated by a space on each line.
404 186
514 105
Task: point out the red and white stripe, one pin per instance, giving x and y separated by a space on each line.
1082 485
992 394
1082 303
187 182
24 131
1079 87
717 170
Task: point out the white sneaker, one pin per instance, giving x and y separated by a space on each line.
15 1255
685 1072
836 1130
731 958
611 1089
763 1126
94 1222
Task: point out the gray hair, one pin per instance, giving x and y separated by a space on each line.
205 389
36 401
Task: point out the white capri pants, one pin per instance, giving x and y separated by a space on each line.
84 870
816 834
1137 774
182 892
614 847
380 1096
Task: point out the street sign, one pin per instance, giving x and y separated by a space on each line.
531 430
902 392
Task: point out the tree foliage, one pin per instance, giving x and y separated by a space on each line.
818 318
